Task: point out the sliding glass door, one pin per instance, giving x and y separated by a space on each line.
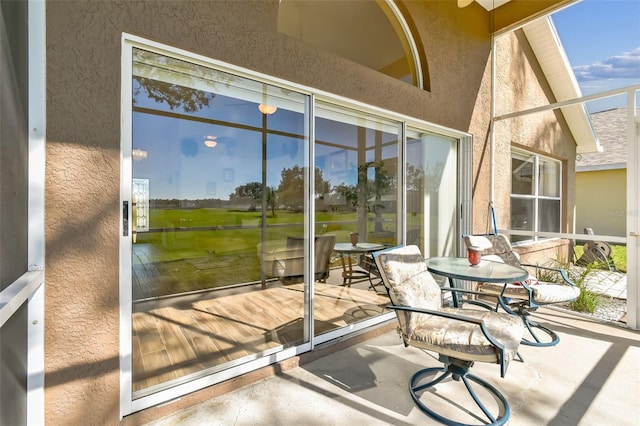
239 207
218 186
356 194
432 191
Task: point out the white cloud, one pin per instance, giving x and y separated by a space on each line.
626 65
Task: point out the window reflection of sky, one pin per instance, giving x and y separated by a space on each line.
180 166
337 145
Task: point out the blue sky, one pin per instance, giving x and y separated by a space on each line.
602 41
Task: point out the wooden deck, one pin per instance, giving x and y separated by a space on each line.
181 337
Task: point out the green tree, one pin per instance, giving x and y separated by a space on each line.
272 199
291 189
415 178
370 191
251 192
348 192
175 96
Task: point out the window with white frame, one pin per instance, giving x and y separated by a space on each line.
535 194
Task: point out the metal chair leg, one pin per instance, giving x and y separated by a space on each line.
552 339
459 373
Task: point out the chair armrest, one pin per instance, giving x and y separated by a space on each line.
437 313
499 346
563 272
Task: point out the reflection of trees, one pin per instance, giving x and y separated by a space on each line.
251 192
348 192
272 200
415 178
369 192
153 70
291 189
419 179
191 100
372 190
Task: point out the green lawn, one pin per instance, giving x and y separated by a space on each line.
184 258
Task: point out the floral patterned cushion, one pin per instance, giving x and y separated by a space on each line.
465 340
408 280
543 293
496 245
405 274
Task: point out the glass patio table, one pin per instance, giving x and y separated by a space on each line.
486 271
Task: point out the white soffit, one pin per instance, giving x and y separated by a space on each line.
555 65
491 4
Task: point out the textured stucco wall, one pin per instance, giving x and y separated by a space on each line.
83 143
520 85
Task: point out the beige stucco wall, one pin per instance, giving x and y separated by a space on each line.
601 202
520 85
83 145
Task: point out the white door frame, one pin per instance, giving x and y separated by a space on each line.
633 210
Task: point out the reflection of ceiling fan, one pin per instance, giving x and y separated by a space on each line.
263 107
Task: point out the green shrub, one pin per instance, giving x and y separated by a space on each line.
587 301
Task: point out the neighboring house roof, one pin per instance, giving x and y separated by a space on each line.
555 65
611 128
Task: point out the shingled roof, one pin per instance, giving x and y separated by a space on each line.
611 129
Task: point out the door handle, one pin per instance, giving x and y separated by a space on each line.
134 221
125 218
634 234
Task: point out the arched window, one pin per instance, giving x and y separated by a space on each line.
372 33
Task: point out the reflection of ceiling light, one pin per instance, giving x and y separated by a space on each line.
210 141
138 154
267 109
464 3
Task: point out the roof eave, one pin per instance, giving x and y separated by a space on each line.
555 65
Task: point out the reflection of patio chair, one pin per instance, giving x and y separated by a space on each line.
288 264
460 336
367 263
413 236
522 298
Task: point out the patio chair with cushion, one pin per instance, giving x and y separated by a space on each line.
288 264
524 297
459 336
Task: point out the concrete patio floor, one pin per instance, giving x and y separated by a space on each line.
591 378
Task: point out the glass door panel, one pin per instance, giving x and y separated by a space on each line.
356 193
218 188
432 192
